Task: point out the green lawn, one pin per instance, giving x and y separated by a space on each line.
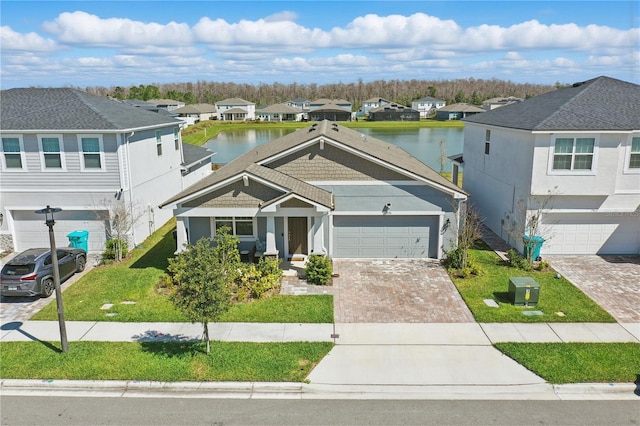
578 362
135 281
556 295
163 361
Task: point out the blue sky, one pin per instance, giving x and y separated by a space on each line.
125 43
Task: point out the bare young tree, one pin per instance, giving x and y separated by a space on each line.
468 231
119 218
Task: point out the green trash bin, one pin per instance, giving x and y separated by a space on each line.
79 239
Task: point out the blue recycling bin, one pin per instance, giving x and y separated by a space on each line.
535 243
79 239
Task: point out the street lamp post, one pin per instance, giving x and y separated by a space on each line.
48 212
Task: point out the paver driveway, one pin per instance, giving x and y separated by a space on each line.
613 282
395 291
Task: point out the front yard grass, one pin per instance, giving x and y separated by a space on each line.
135 280
578 362
559 300
163 361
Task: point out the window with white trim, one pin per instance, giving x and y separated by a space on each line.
51 152
92 152
176 138
13 152
158 143
573 154
634 154
240 226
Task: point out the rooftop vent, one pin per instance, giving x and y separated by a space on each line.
578 84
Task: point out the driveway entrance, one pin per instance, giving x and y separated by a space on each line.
395 291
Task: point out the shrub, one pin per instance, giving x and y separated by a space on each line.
256 280
112 247
517 261
453 259
319 269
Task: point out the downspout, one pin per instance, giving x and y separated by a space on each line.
133 227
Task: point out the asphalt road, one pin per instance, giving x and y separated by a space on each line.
23 410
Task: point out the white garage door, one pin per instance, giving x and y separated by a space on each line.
385 237
31 231
591 234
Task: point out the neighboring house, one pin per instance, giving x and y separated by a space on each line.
168 104
324 189
279 112
330 112
457 111
426 105
236 109
196 164
494 103
322 103
393 112
83 153
372 103
300 103
196 112
579 144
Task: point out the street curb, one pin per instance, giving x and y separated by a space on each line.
293 390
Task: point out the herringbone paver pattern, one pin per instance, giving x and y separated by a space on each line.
395 291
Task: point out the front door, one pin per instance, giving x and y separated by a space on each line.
297 235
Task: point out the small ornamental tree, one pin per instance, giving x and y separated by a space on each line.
203 277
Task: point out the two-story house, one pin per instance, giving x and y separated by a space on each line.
83 153
426 105
372 103
235 109
571 157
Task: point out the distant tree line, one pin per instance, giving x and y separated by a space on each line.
471 90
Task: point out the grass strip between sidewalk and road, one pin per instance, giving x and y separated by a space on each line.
135 280
578 362
559 299
162 361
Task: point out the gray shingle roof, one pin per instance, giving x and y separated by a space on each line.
602 103
194 154
371 146
71 109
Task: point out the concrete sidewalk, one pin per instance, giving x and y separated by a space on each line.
457 334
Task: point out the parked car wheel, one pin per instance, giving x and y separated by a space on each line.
47 287
81 262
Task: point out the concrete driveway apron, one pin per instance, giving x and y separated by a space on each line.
395 291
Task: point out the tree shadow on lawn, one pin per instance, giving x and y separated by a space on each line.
158 256
169 345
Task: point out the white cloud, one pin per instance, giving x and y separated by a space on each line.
30 42
91 30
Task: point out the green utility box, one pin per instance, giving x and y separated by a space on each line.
523 291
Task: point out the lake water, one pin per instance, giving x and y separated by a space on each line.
425 144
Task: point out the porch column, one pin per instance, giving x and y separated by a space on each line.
181 234
271 237
454 175
318 236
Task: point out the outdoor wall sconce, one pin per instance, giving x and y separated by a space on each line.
445 226
1 219
387 208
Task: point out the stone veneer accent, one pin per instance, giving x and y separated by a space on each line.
236 195
6 243
331 163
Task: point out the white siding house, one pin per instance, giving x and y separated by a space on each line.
235 109
83 153
426 105
572 155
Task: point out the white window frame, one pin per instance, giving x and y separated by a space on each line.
176 138
159 150
234 220
23 159
100 153
63 162
627 156
572 171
